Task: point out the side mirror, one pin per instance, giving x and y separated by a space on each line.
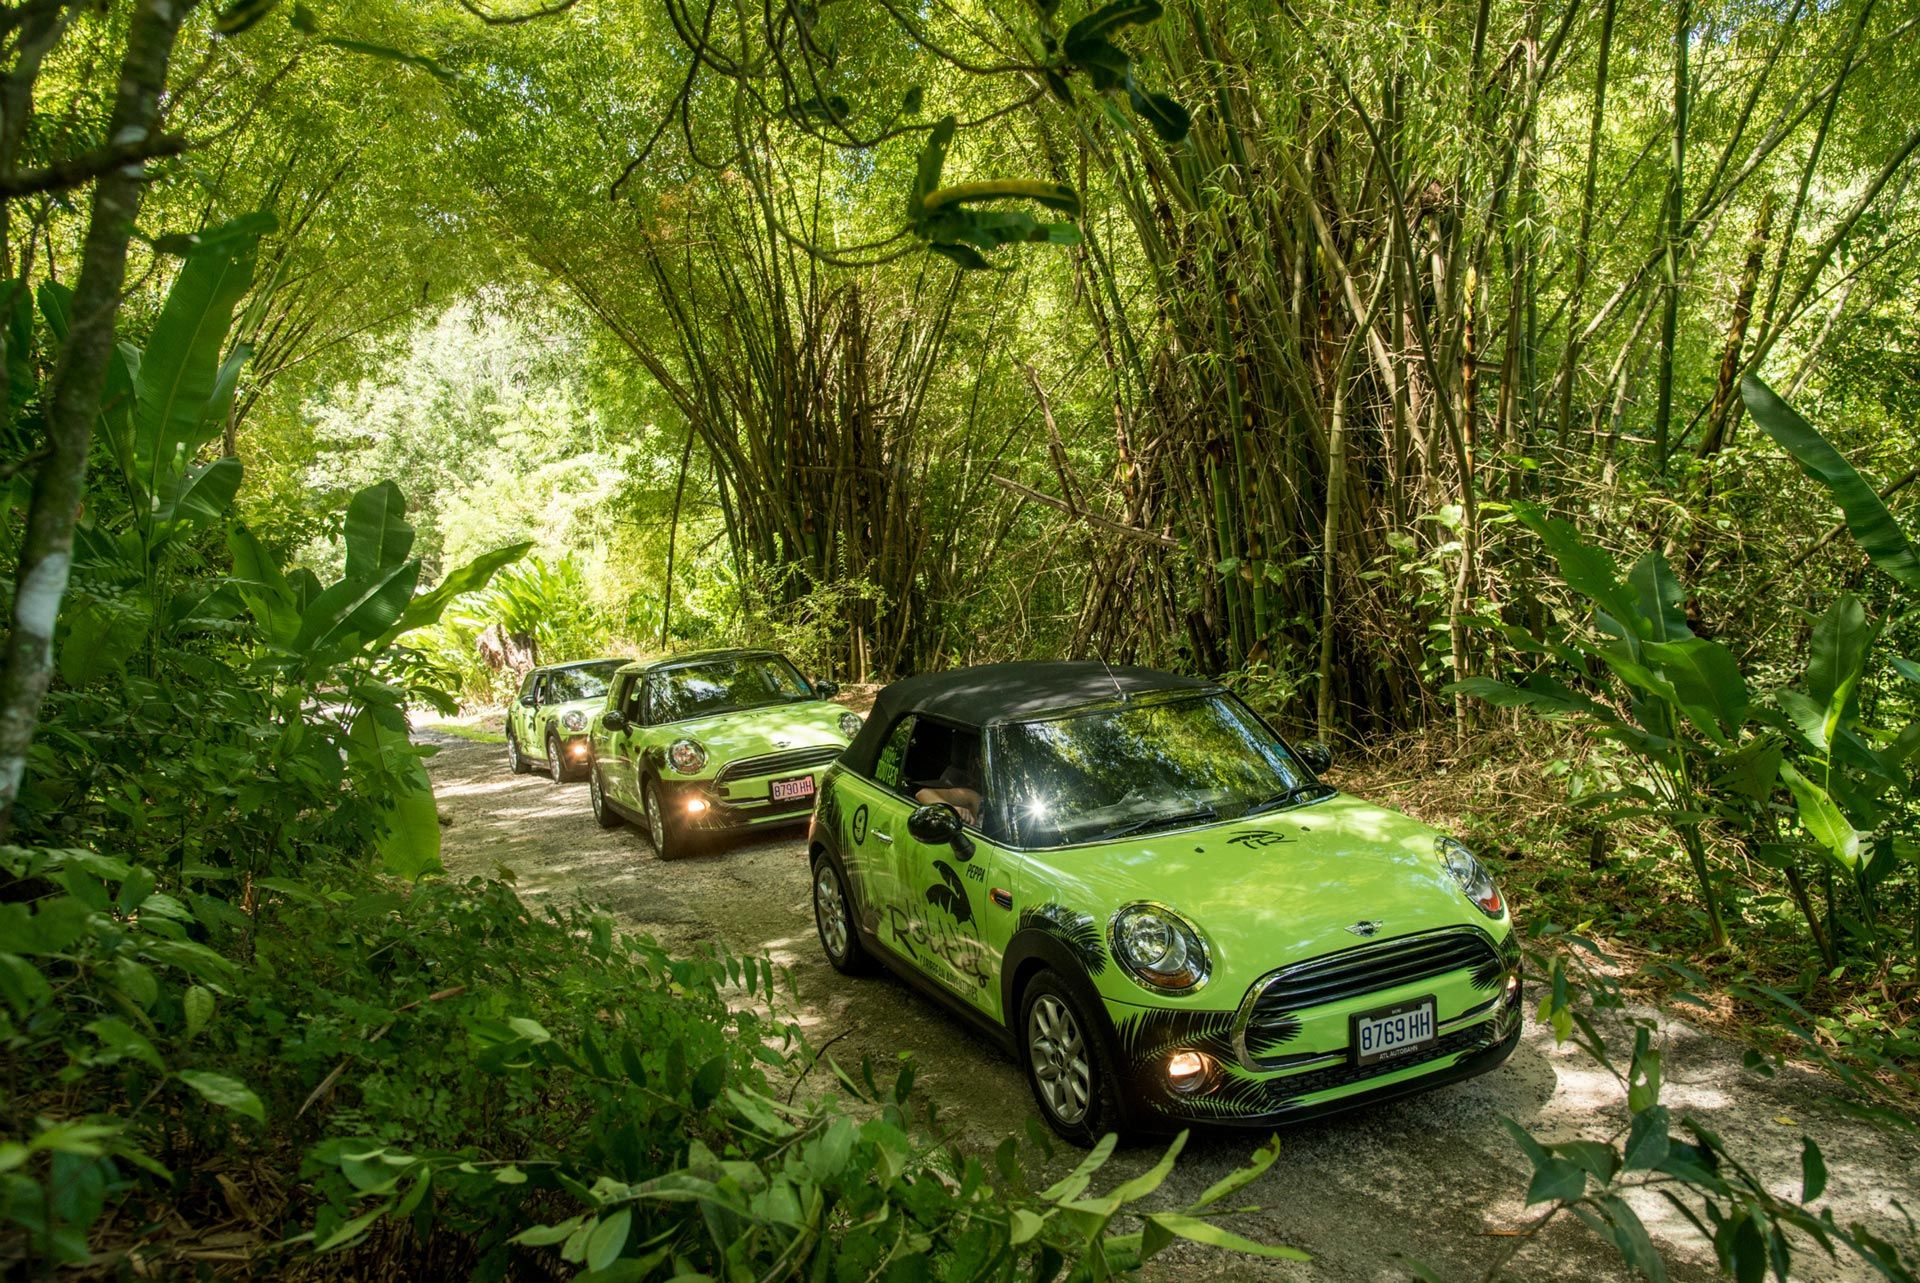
826 690
614 720
938 824
1318 757
529 701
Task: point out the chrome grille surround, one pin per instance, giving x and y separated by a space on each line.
1277 998
792 761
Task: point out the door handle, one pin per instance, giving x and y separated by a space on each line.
879 836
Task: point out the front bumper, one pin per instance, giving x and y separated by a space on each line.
1469 1045
703 809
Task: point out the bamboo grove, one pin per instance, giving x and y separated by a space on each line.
1399 271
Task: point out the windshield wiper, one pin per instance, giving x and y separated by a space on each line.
1298 793
1198 814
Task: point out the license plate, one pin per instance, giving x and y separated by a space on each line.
791 790
1391 1032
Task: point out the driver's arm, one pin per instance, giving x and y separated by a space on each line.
965 801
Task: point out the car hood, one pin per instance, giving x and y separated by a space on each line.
754 731
586 706
1280 887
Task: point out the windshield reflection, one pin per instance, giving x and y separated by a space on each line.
1136 768
589 681
727 686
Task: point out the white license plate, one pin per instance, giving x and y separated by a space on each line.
790 790
1390 1032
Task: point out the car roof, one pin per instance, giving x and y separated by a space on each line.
580 663
987 694
699 657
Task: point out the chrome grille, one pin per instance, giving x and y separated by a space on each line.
1272 1013
791 762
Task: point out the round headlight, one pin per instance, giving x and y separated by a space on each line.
849 724
1159 948
686 757
574 720
1475 882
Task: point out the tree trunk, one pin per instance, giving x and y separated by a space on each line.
73 401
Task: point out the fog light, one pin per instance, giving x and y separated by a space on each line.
695 805
1513 983
1189 1071
579 750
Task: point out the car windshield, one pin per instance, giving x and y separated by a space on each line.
589 681
726 686
1139 767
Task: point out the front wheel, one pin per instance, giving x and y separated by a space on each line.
833 916
604 815
556 759
516 760
669 835
1067 1066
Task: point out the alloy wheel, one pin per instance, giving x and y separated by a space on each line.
593 793
556 764
513 754
1058 1052
830 911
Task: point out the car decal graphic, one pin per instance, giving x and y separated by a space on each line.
1258 838
1492 971
860 825
1075 930
951 897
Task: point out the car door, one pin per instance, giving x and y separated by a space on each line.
948 888
519 716
875 816
631 741
609 745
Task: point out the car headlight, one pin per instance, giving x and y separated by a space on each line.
850 724
1159 948
1475 882
574 720
686 757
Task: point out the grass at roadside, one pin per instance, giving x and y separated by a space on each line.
485 727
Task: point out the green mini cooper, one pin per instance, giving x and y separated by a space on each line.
550 715
720 740
1136 887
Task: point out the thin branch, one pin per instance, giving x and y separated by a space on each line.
76 171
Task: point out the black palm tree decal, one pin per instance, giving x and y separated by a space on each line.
952 896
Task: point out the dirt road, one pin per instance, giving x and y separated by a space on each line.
1434 1178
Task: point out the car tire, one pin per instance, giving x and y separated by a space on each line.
516 760
670 838
1072 1076
833 919
603 813
556 759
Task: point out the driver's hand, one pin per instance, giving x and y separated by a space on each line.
968 817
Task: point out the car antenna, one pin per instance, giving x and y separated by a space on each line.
1110 677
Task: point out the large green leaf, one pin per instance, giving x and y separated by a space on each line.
1837 660
1107 20
1588 569
408 838
1821 816
1872 526
202 495
354 611
180 369
426 609
265 589
378 536
1707 684
1662 601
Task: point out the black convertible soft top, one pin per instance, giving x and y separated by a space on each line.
990 693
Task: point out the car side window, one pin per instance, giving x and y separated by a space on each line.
640 702
617 693
526 686
893 756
